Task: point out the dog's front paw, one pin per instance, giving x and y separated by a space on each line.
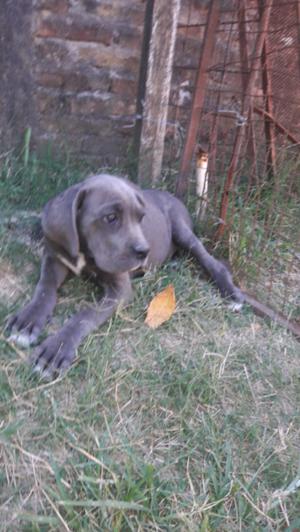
25 326
53 357
237 300
229 291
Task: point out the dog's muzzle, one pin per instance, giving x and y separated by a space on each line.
140 251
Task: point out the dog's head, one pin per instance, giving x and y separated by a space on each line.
104 215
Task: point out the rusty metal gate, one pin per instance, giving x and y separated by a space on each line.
236 98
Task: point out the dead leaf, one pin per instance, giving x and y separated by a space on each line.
161 307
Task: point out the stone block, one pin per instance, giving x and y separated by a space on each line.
56 6
52 54
129 12
110 147
114 57
105 104
124 86
86 28
75 27
52 102
84 79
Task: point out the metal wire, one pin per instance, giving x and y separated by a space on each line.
262 223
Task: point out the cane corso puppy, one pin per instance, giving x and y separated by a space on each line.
111 228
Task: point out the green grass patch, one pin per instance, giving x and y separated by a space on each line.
193 426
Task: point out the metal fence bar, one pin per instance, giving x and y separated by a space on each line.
198 99
264 23
267 90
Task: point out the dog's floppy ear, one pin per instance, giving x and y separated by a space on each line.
59 221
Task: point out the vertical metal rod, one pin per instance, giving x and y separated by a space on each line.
198 99
213 136
298 25
244 59
239 138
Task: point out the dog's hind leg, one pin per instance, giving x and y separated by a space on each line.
184 237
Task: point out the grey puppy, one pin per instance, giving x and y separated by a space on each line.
111 228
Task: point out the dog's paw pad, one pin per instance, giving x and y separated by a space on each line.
23 339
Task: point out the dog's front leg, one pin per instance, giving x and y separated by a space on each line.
26 325
57 352
185 238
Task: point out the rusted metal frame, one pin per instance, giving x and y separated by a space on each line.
269 126
267 91
277 125
222 23
198 98
175 153
298 25
240 134
244 59
213 137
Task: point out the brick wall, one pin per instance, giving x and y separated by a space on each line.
69 70
86 61
71 73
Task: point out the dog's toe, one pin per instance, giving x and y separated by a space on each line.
235 306
53 357
23 338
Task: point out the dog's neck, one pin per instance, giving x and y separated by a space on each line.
74 264
76 267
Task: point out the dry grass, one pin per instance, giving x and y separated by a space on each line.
194 426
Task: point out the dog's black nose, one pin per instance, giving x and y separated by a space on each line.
140 250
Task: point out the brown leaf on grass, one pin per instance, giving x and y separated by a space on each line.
161 307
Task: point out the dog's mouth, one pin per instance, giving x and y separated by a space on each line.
123 263
132 264
139 268
140 263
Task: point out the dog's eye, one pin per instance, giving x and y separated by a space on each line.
110 218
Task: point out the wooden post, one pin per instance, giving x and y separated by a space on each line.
142 78
160 62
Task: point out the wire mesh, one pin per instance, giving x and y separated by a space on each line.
262 229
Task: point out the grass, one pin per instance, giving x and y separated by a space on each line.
192 427
262 236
